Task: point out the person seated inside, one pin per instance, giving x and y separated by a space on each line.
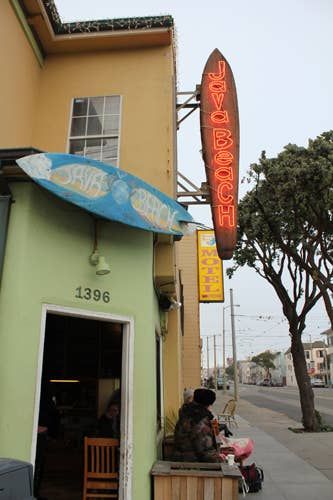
194 438
109 422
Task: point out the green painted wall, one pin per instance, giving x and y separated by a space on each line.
48 246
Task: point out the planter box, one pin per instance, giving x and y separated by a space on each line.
195 481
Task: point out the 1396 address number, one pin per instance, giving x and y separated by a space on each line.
89 294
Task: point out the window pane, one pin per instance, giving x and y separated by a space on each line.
96 106
78 127
80 106
96 117
93 149
111 125
112 105
94 125
110 149
113 162
77 147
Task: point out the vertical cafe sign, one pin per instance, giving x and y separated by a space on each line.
220 146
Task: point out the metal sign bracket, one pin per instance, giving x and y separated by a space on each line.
188 103
191 194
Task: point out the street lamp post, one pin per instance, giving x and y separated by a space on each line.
223 349
207 346
234 351
215 370
232 305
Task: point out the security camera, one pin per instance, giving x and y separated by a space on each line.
175 304
168 303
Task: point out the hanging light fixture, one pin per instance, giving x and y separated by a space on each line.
102 267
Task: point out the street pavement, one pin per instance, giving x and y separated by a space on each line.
296 466
286 400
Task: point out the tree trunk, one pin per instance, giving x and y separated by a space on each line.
309 418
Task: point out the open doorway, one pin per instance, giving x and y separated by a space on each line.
82 367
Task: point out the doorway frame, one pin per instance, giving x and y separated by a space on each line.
127 376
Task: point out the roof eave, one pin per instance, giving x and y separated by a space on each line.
109 34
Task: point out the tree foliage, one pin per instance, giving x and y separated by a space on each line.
230 370
286 236
265 360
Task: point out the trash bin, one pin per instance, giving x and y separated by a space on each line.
195 480
16 481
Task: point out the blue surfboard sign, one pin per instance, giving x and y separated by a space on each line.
107 192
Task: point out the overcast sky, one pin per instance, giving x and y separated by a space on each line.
280 52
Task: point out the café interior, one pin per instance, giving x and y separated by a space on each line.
82 364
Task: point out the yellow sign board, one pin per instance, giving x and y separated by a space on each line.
210 270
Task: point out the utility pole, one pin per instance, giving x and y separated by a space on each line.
207 346
215 374
325 366
311 357
223 350
312 370
234 352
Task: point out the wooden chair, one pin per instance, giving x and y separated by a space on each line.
228 414
101 477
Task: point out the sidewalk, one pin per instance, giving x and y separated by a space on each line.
288 474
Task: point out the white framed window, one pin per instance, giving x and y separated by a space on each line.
95 128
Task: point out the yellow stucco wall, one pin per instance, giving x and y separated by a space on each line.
144 80
19 80
172 365
191 347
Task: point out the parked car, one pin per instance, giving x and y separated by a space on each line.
220 383
317 382
277 384
267 382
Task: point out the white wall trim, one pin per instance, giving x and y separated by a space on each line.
126 451
161 383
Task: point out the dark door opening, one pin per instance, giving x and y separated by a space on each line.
82 368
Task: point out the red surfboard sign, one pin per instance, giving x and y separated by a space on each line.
220 146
